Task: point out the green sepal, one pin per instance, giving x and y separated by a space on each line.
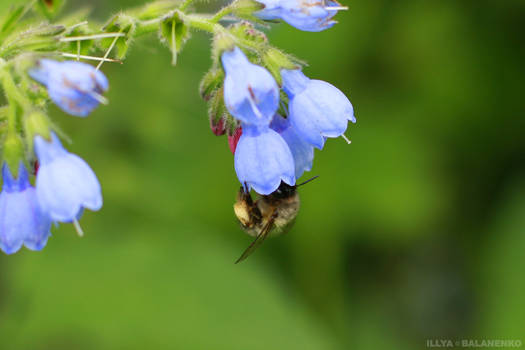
82 47
211 82
231 124
216 107
275 60
245 9
221 42
174 33
14 152
120 23
49 8
36 123
217 112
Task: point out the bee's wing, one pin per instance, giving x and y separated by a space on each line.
259 239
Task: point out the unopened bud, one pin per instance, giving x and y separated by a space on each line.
217 127
217 112
246 31
233 140
211 82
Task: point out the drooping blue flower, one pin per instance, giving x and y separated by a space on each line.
65 184
302 151
317 109
250 92
307 15
263 160
22 221
73 86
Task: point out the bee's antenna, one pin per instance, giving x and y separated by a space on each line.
307 181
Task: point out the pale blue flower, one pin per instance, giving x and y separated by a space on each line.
263 160
317 109
302 151
65 184
250 92
22 221
307 15
75 87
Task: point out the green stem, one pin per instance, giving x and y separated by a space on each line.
223 12
201 23
11 91
185 4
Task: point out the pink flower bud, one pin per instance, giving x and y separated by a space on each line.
217 127
234 139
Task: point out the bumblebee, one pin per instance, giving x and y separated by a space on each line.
268 215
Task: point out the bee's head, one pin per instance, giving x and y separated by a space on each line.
284 191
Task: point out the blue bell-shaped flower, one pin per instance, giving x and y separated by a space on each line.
75 87
22 221
317 109
65 184
307 15
250 91
263 160
302 151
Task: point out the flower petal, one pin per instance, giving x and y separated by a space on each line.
302 151
250 91
263 160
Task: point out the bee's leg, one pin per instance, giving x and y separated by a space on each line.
247 209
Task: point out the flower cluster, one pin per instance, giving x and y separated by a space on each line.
64 184
274 116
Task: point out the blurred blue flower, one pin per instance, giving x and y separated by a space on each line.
307 15
317 109
263 160
65 184
75 87
250 92
302 151
22 222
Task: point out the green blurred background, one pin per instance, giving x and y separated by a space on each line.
416 231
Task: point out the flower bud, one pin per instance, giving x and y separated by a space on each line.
211 82
217 127
233 139
246 31
217 112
